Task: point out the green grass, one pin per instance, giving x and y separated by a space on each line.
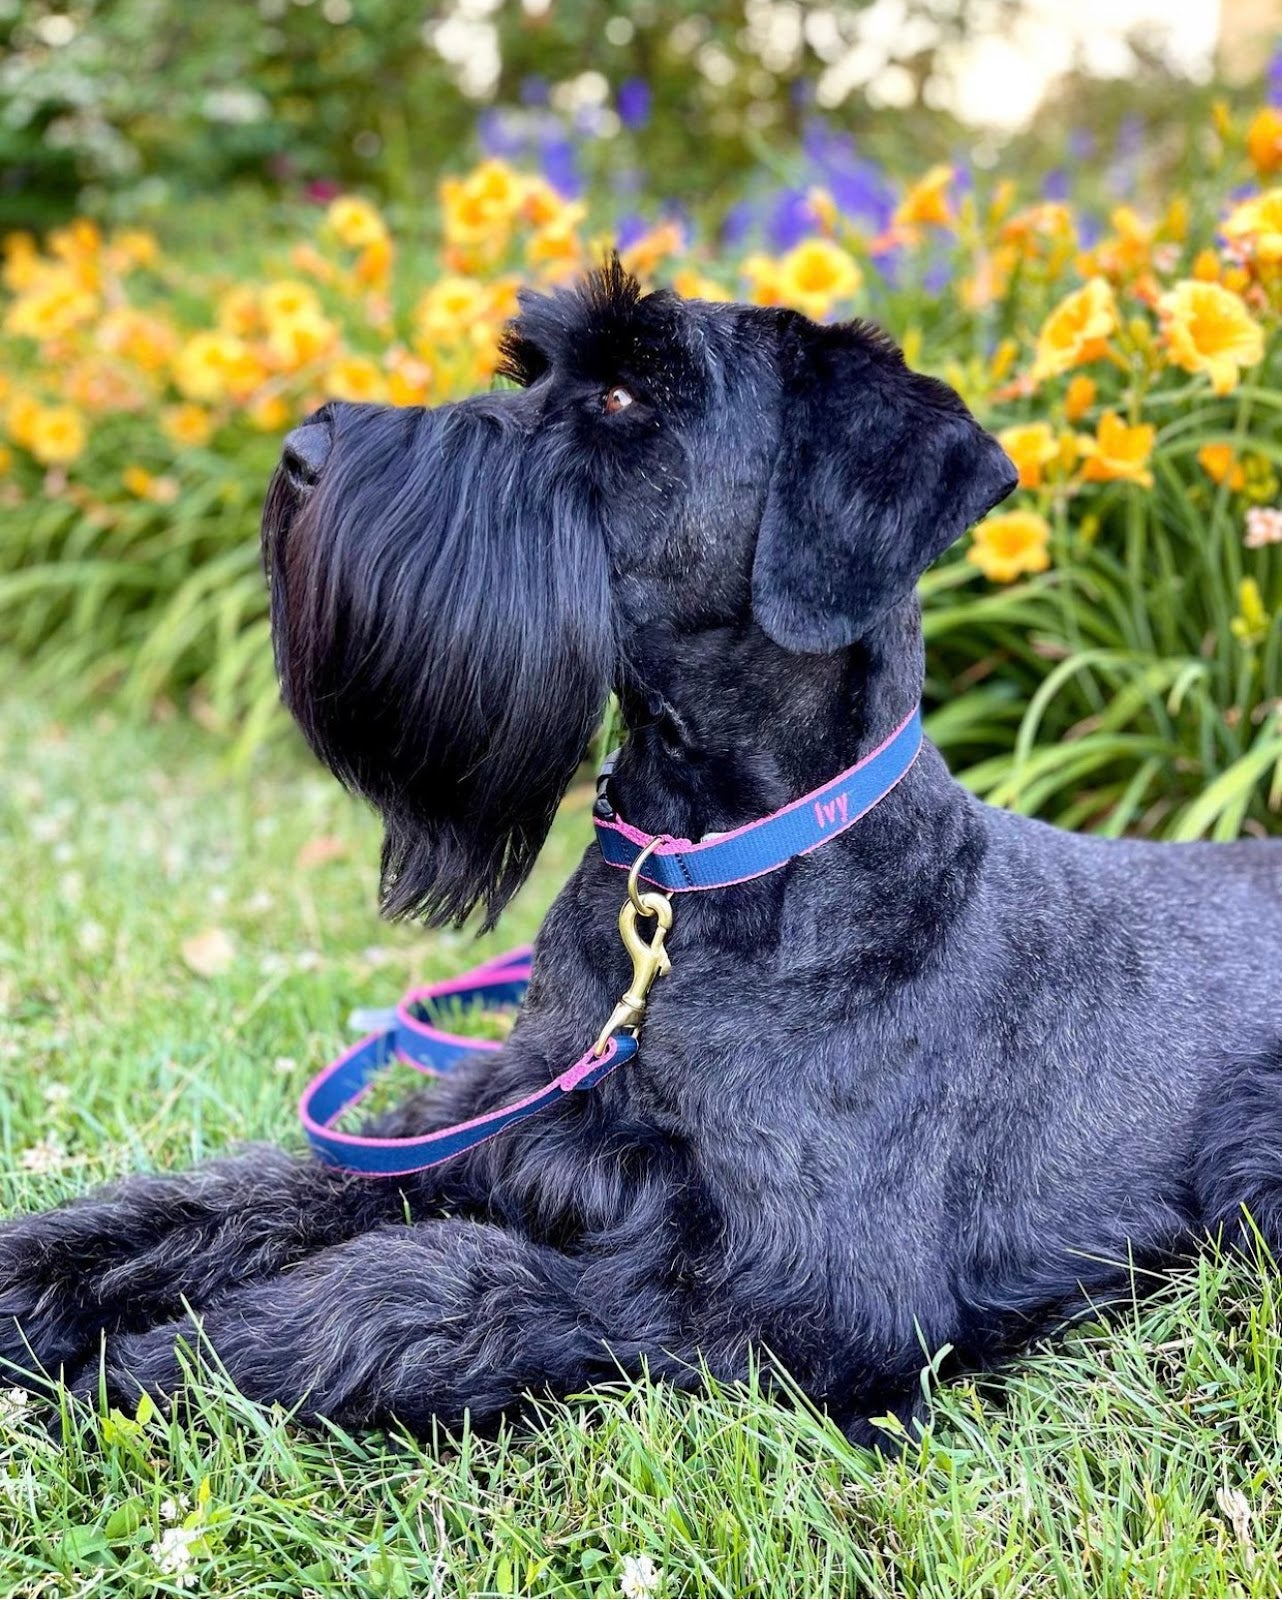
1144 1459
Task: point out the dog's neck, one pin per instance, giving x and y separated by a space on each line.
725 727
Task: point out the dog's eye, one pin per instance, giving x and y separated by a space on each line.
616 399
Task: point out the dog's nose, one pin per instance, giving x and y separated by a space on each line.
304 453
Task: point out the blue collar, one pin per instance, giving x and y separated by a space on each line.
764 846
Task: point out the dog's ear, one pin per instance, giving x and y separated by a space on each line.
878 471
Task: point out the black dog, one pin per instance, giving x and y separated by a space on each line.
935 1084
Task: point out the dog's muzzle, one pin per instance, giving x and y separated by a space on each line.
305 452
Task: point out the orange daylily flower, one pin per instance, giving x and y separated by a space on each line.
1077 331
1264 141
1006 546
1118 452
1220 463
1032 447
1209 329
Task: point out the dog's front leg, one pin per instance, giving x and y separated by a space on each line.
407 1323
129 1255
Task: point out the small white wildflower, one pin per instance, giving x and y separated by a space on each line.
284 1064
174 1557
44 1157
1263 526
260 902
641 1579
57 1095
91 936
308 961
175 1509
15 1404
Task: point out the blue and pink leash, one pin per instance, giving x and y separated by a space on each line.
674 866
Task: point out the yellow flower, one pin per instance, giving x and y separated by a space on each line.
21 262
355 222
1079 397
450 308
409 381
287 300
479 209
374 264
1118 452
1264 140
19 418
269 413
53 304
1251 625
146 341
186 424
297 341
541 204
762 273
692 285
239 311
1255 226
207 365
1012 543
1221 465
648 252
355 378
57 435
556 247
817 273
1031 446
926 201
135 247
1077 331
1208 329
146 486
6 460
823 207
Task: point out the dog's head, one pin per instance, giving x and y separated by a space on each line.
455 590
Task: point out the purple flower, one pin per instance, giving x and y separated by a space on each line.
862 194
534 90
1088 231
888 263
791 220
560 166
499 134
588 121
1274 76
629 228
937 276
634 101
738 223
1055 186
1081 144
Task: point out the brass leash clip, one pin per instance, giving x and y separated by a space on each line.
649 959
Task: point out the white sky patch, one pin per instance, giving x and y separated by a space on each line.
999 78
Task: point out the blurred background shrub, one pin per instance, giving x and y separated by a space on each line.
219 216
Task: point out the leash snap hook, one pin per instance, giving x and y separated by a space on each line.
649 961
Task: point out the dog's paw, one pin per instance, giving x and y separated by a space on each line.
46 1324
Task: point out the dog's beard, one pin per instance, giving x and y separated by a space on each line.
441 616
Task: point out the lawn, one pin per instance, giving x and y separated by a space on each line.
179 944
